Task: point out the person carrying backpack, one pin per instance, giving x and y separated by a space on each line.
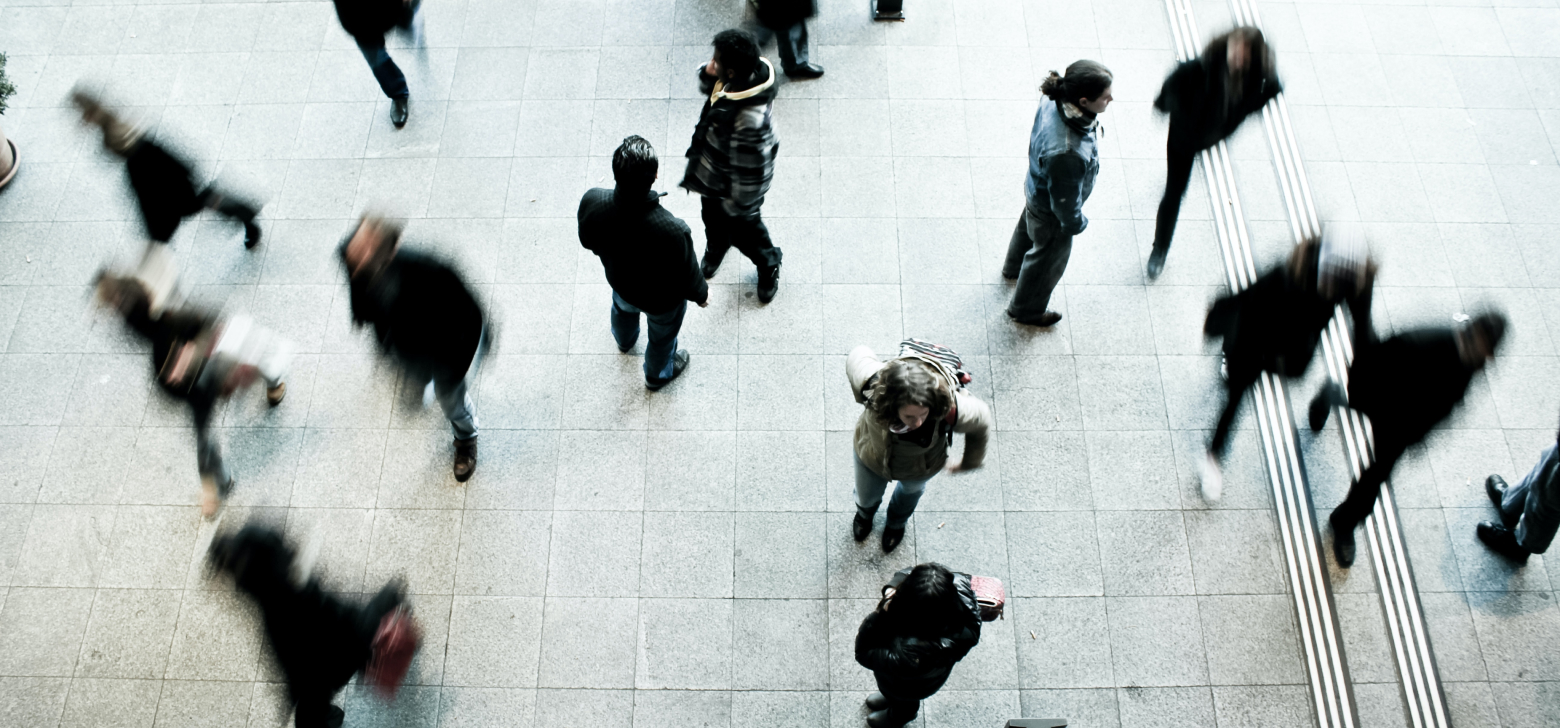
913 405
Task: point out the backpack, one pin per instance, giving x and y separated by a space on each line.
945 360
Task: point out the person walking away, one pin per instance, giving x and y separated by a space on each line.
1406 385
1207 98
786 20
367 21
1275 324
1529 513
912 640
1063 162
649 260
200 359
913 405
425 318
319 640
732 157
164 185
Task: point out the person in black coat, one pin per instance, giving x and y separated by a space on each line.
367 21
1207 98
1275 324
1406 385
163 183
649 259
424 317
913 639
787 21
319 640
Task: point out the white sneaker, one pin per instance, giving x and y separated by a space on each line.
1212 479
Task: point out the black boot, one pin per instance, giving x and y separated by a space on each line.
768 283
399 111
1343 541
861 525
876 701
711 263
1502 541
1156 261
1321 406
891 537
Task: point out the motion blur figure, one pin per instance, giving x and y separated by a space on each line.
367 21
319 640
1275 324
1529 512
164 185
1406 385
911 642
201 359
1207 98
787 21
425 318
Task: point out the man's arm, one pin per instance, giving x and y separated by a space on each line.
1065 173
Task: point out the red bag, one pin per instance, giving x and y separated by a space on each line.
990 595
394 644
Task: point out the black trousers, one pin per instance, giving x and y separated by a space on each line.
723 231
1179 174
1357 506
792 42
1241 378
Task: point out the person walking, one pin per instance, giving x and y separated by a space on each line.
1529 513
732 157
1406 385
786 20
913 405
164 185
425 318
1063 162
367 21
1207 98
1275 324
912 640
649 260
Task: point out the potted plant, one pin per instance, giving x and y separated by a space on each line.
9 159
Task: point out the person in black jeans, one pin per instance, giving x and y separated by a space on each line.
649 259
786 20
1207 98
367 21
913 639
1406 385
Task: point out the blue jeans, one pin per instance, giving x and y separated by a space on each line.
389 75
1536 503
663 334
869 493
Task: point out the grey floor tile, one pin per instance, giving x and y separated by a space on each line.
1126 471
1261 705
1471 703
203 703
207 646
669 708
780 471
690 471
1053 555
752 708
685 644
584 708
1157 641
1063 643
1234 552
595 553
503 553
612 480
129 634
462 706
1251 640
342 536
781 555
494 642
780 644
589 643
1165 707
1144 553
420 546
687 555
111 703
1507 624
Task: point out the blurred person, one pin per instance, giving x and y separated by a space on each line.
163 183
367 21
1529 512
201 359
1275 324
319 640
1063 162
913 405
649 260
1406 385
913 638
786 20
731 159
424 318
1207 98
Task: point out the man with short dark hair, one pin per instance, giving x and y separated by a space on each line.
649 260
732 157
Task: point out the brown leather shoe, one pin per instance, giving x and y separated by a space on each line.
274 395
465 459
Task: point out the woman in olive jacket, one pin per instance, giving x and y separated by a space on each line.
913 407
913 638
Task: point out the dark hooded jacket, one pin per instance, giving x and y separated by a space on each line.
164 188
647 252
913 664
1203 110
166 333
1408 383
732 155
369 20
422 314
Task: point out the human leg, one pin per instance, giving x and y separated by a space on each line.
902 504
869 494
1041 270
1241 378
751 236
391 80
1018 245
1361 500
215 480
1178 175
662 344
717 235
625 323
239 210
456 402
1540 517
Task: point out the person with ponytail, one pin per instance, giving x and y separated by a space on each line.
1063 162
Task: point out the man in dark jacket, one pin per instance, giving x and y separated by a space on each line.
424 317
1207 98
787 21
367 21
163 184
648 256
1406 385
732 157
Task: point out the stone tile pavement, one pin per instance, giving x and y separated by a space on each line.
683 558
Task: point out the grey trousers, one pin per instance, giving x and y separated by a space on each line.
1037 256
1536 503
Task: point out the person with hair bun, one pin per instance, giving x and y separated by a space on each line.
913 407
1063 162
1207 98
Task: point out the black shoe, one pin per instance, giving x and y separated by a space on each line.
710 265
1496 487
1007 277
398 112
861 526
465 459
1049 318
805 70
1343 542
1156 261
768 283
679 363
876 701
891 537
1502 541
251 235
881 719
1322 405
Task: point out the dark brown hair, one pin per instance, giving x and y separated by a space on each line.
927 603
1084 80
1259 55
906 381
